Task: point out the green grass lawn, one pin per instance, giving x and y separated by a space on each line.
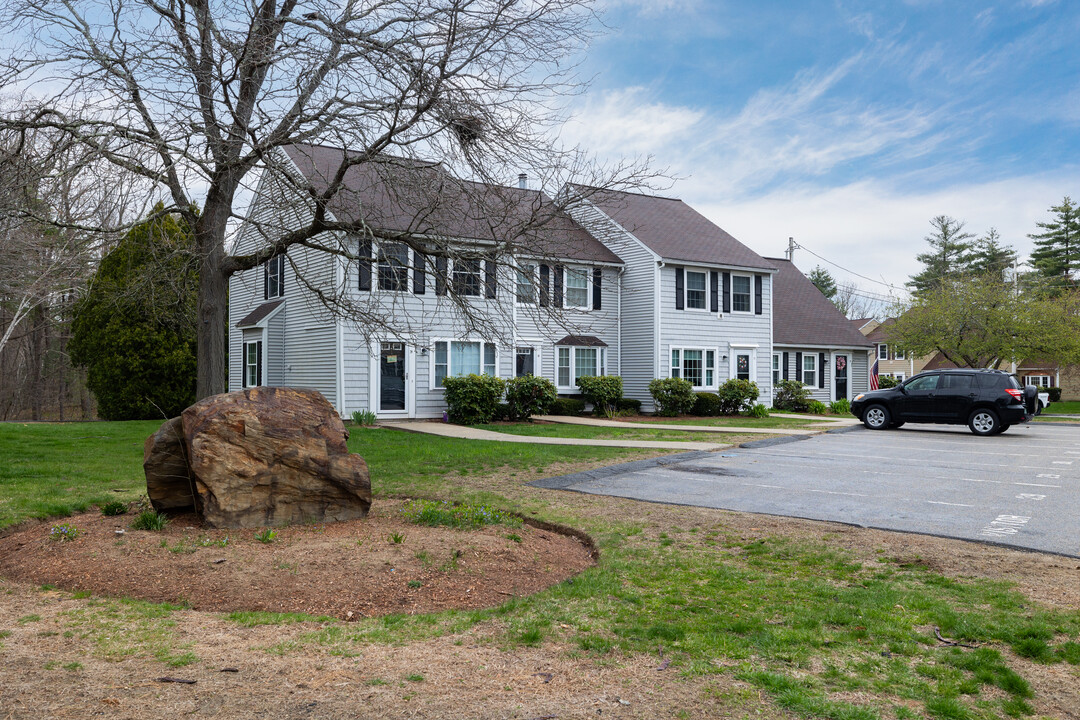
811 421
1070 407
589 432
819 632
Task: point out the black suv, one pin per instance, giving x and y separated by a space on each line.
988 401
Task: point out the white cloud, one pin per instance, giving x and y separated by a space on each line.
630 122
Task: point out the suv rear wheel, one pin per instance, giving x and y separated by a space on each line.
984 422
876 417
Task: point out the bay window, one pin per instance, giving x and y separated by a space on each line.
573 363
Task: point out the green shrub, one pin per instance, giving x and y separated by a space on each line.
816 407
529 395
150 520
114 508
628 405
1055 394
887 381
434 513
758 411
364 417
737 395
673 396
707 404
473 399
840 407
603 391
567 406
791 395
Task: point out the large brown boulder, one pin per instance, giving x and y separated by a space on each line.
169 481
263 456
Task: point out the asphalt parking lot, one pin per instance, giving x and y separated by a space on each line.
1021 488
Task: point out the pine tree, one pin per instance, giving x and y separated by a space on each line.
991 256
823 280
1056 256
949 256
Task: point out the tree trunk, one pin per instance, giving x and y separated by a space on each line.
213 301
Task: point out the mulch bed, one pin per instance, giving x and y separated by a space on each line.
347 570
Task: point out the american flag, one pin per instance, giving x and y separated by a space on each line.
873 376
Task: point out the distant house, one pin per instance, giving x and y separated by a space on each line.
892 360
696 303
813 342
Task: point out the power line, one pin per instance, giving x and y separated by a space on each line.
847 270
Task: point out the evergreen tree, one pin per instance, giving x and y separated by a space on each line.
135 329
949 256
991 257
1056 255
823 280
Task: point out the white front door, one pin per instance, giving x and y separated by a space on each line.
394 379
743 364
841 376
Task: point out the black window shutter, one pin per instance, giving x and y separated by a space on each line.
727 292
440 275
419 276
680 289
545 285
266 280
785 366
281 276
558 285
259 362
798 366
757 294
490 283
597 278
365 264
714 291
821 370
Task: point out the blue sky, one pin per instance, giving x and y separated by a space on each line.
847 124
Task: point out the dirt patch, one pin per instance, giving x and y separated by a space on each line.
379 565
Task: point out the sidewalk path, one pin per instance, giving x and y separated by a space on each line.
471 433
600 422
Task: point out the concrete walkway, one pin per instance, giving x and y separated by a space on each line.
471 433
601 422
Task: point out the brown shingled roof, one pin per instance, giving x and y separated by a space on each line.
405 196
257 315
674 230
803 316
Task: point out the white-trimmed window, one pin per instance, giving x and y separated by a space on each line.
899 376
526 361
777 372
274 277
898 354
576 281
393 266
1039 380
698 365
883 352
741 292
456 358
466 276
697 290
526 284
573 363
253 363
809 369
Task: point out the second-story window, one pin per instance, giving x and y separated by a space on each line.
393 266
696 290
274 277
740 293
577 287
526 284
467 276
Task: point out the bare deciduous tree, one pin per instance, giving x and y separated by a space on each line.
192 96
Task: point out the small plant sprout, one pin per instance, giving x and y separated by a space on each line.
64 533
364 417
414 584
114 508
267 535
150 520
514 537
397 538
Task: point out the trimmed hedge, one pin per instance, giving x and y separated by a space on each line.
673 396
567 406
628 405
529 395
473 399
1055 394
603 391
791 395
737 395
707 404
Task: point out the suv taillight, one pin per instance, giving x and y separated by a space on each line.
1018 394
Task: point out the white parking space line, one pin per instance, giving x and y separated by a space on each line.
1037 485
939 502
833 492
978 480
1063 462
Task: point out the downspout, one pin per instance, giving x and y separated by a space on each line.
656 321
618 309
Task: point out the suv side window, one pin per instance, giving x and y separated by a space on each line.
923 382
956 382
